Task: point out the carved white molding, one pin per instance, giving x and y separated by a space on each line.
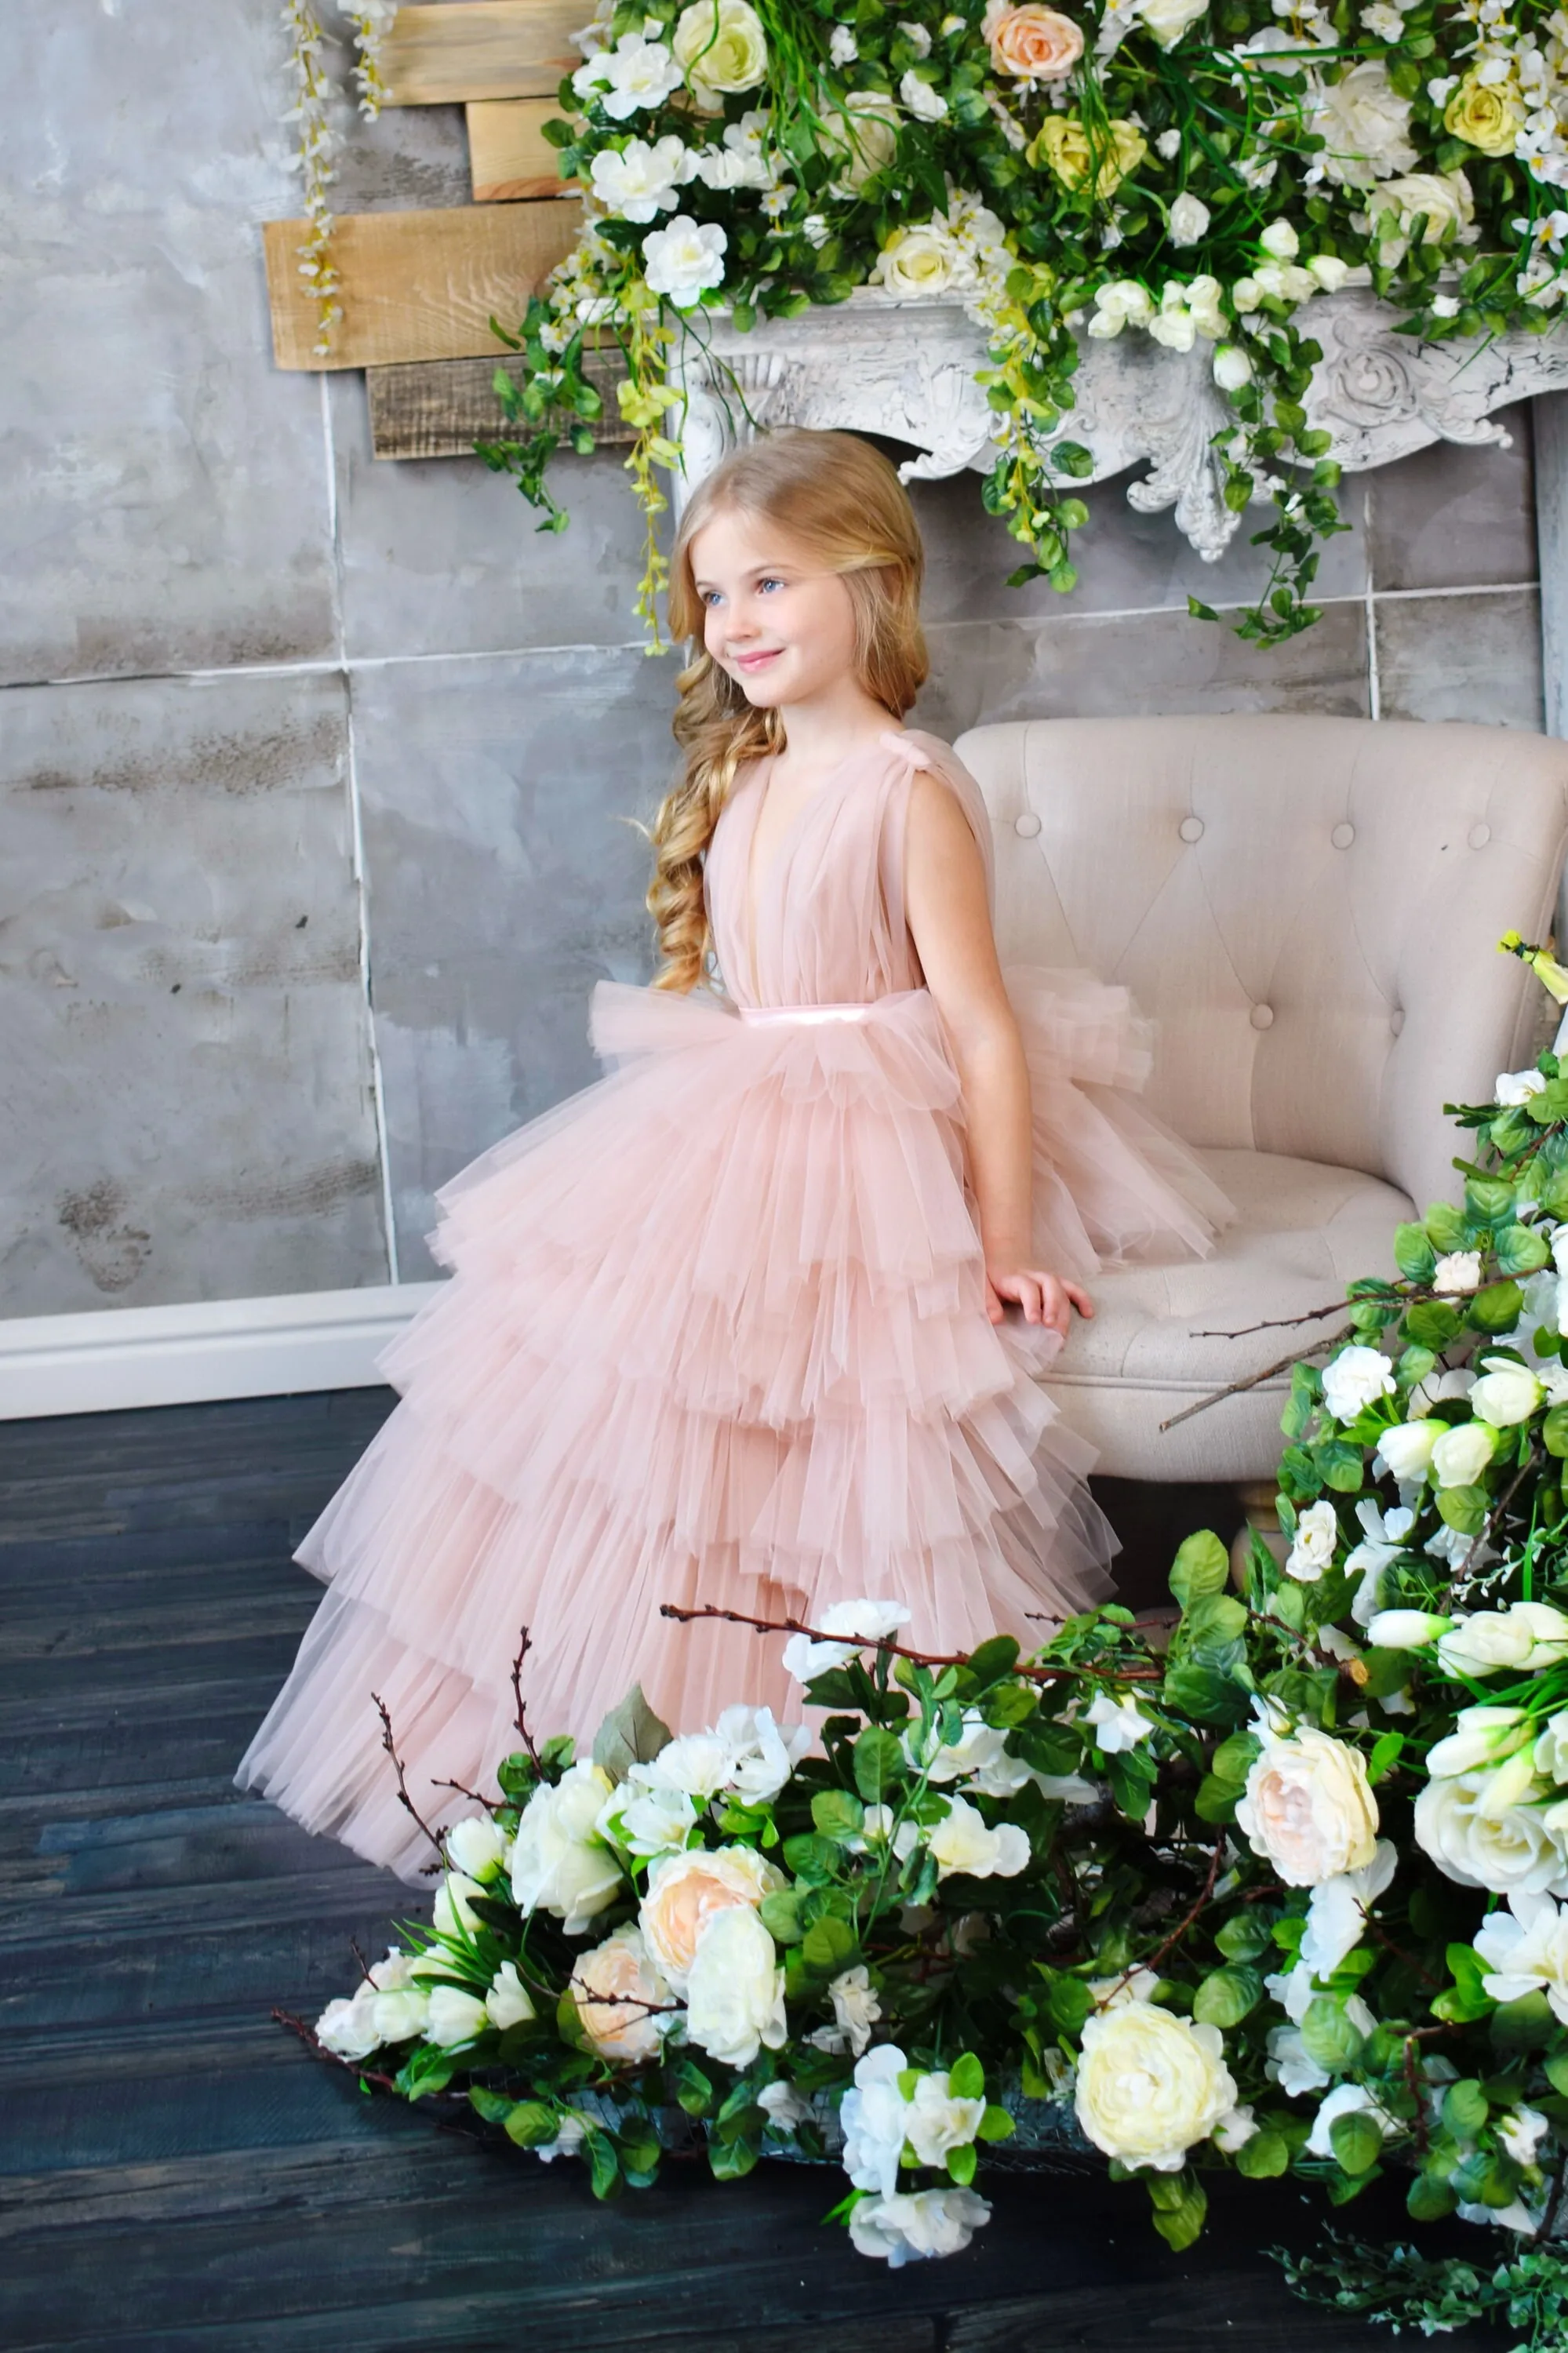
906 370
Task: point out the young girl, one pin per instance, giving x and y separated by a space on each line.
731 1326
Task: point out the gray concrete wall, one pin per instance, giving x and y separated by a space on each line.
315 772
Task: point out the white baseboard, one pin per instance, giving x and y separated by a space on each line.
210 1348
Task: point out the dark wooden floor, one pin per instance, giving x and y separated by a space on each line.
179 2176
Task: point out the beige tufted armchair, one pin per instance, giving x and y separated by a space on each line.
1309 908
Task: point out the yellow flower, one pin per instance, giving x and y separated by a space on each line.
1486 114
1547 971
1063 145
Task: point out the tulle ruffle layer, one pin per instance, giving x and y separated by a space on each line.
715 1334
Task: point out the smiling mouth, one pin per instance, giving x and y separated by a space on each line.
756 661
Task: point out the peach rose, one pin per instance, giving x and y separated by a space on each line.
685 1890
1036 44
623 2005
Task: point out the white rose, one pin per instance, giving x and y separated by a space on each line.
1526 1951
570 2136
908 2225
1520 2134
1367 126
963 1842
1506 1393
873 2115
1405 1630
623 2003
1480 1736
1117 1723
452 1914
639 181
1328 270
721 46
646 1821
687 1892
1167 20
1357 1377
863 1621
476 1847
1309 1809
734 1993
914 261
559 1864
1337 1913
928 105
1462 1453
1551 1748
935 2121
1446 200
865 134
980 1746
454 2017
1233 369
1406 1451
1527 1635
1514 1087
508 2002
398 2017
844 49
1290 2066
1149 2085
683 260
1189 219
763 1754
1502 1853
348 2029
1344 2100
1456 1271
1312 1546
1281 240
782 2106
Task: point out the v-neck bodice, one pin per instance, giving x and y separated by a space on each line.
827 923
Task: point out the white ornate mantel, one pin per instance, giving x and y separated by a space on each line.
906 371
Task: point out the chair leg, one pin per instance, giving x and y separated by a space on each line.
1257 1498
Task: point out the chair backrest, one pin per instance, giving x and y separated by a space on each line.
1309 907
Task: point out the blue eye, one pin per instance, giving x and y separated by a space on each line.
771 582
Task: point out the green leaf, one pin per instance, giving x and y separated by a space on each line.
1555 1431
1341 1465
731 2160
828 1945
1357 2142
961 2163
1217 1618
1526 2024
1522 1250
1432 1324
1447 1228
1328 2036
1203 1695
1498 1307
837 1814
1177 2221
494 2106
994 1658
1464 1508
1414 1254
812 1858
966 2078
995 2125
1464 2109
1264 2155
1487 1198
1225 1998
1428 2199
1234 1758
1557 2072
1201 1566
531 2124
692 2089
1243 1937
779 1913
1071 2002
1216 1800
1386 1753
878 1763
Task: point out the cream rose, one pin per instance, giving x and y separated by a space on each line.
1513 1087
1063 145
1312 1546
477 1847
734 1991
1485 114
963 1842
1167 20
454 2017
916 2223
1506 1393
1036 44
720 46
1462 1453
1525 1949
1406 1449
1456 1271
508 2002
1529 1635
1405 1630
559 1864
348 2029
1357 1377
686 1891
1149 2085
864 132
916 261
934 2122
1309 1807
1481 1736
1503 1852
624 2006
1443 197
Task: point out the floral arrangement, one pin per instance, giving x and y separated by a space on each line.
1191 173
316 111
1279 1887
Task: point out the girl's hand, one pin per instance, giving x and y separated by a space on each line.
1044 1298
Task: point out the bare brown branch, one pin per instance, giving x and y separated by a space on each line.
404 1799
900 1650
1254 1380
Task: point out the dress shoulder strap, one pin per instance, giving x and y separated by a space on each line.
929 751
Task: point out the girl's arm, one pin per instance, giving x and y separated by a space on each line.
944 900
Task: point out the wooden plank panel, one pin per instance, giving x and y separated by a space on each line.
509 158
480 48
416 286
440 408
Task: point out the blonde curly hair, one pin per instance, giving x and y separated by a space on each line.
840 501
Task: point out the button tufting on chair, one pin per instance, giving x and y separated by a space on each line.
1190 828
1479 836
1396 1019
1262 1016
1342 835
1027 824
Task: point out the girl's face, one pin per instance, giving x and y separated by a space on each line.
781 627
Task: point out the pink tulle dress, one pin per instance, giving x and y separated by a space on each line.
716 1332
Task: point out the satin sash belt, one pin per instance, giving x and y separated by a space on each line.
765 1013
